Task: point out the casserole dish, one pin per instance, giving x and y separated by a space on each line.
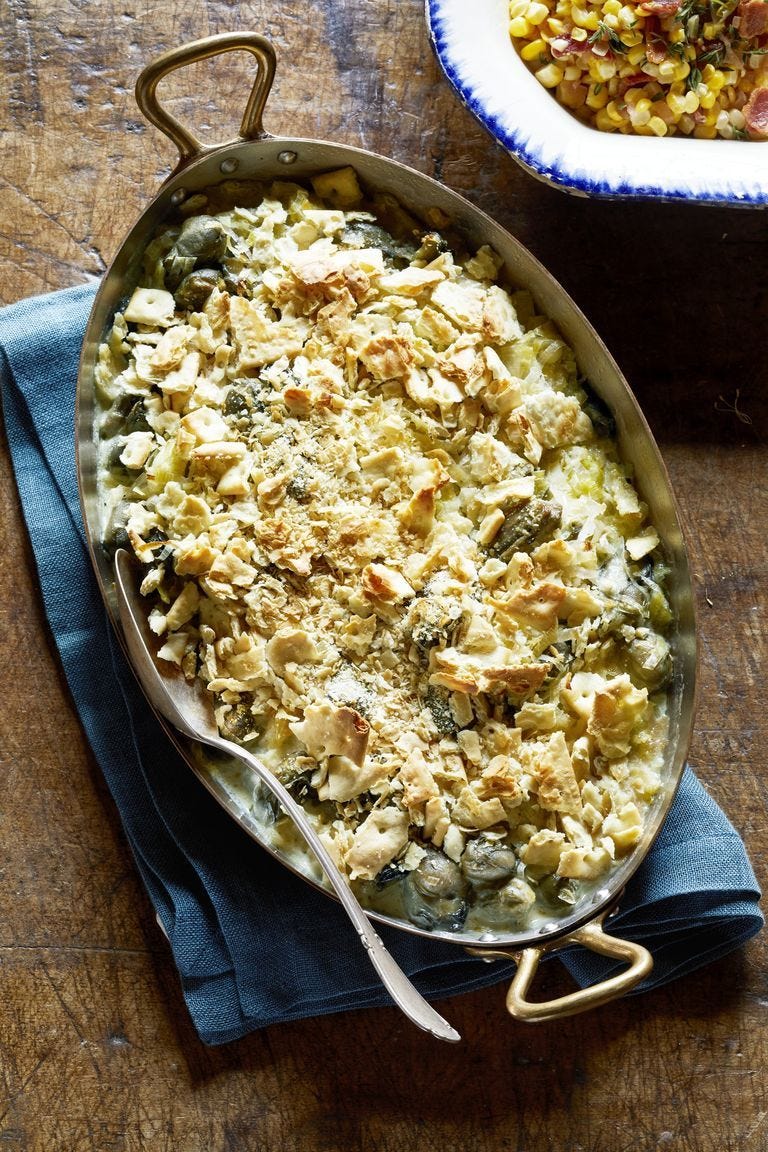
257 156
476 53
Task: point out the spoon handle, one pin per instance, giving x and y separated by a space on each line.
400 988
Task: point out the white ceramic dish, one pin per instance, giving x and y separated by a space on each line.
474 49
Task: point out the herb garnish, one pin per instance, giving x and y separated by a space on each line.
713 55
603 32
693 79
687 9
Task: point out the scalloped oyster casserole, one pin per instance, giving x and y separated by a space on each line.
383 519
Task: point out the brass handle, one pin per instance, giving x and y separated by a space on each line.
593 937
251 127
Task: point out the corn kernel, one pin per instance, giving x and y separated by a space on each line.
571 94
657 126
616 114
707 100
676 104
549 76
536 13
710 31
691 102
533 49
518 8
632 38
592 70
579 34
584 18
638 116
519 28
611 22
557 27
705 132
597 97
573 72
738 120
612 7
635 55
604 122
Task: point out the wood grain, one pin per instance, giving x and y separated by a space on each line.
96 1050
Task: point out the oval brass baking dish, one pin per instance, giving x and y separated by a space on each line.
254 154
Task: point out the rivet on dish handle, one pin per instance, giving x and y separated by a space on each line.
591 936
251 127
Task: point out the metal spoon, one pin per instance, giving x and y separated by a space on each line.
189 708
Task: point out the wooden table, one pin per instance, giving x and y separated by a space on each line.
96 1049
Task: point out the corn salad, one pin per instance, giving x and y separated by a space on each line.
661 68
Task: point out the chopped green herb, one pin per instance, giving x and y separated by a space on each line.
687 9
713 55
693 79
603 32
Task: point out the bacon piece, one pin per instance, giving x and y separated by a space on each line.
656 50
756 112
655 44
634 81
753 18
661 7
567 46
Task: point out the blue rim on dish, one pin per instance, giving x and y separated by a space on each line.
473 47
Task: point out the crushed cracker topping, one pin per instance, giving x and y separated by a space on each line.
380 520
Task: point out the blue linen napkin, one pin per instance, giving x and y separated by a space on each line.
253 944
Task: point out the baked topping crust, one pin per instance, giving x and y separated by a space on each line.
379 522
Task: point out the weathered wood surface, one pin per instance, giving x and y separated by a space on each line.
96 1051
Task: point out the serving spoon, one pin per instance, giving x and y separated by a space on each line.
188 707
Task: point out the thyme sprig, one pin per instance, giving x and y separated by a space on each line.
713 55
603 32
693 79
